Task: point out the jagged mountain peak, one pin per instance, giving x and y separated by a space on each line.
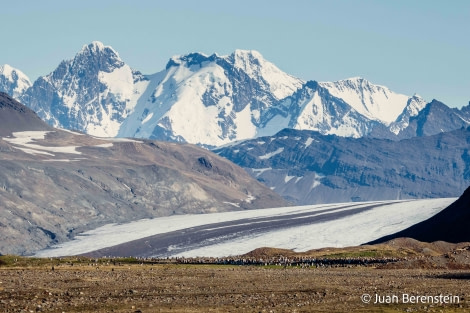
355 83
355 80
97 55
245 59
190 59
435 102
247 53
210 99
313 107
93 92
97 47
433 118
257 67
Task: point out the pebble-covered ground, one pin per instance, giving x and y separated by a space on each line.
224 288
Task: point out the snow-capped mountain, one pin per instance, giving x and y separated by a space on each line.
349 108
313 107
413 107
93 92
13 81
435 117
214 100
209 100
372 101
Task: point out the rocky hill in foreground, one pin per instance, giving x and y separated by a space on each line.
55 183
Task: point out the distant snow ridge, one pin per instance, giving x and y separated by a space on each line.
213 100
210 100
255 66
13 81
373 101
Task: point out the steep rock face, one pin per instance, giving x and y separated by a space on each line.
55 184
306 167
94 92
13 81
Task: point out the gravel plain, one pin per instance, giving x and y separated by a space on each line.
120 287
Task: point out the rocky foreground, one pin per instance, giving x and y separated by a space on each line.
132 285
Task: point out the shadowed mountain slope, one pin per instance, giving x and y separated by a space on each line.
450 225
16 117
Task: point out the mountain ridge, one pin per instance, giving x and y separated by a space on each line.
307 167
212 100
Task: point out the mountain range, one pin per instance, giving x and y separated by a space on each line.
307 141
55 183
306 167
214 100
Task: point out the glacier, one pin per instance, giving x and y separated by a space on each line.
350 227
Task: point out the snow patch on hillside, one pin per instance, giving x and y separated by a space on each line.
271 154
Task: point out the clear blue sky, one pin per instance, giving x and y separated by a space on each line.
410 46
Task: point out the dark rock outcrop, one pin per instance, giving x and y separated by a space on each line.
450 225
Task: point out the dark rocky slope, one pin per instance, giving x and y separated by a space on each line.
450 225
16 117
307 167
